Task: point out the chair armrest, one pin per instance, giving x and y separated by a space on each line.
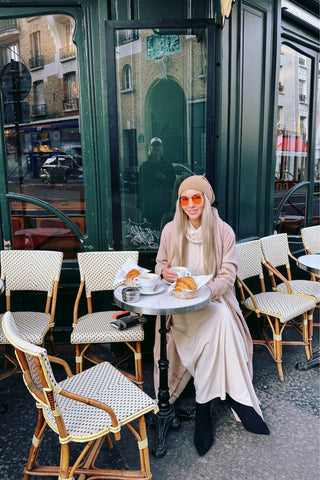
292 257
93 403
63 363
76 304
276 272
247 289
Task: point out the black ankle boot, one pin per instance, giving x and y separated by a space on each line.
250 419
203 437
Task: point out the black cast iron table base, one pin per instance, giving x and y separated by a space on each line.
162 422
166 416
314 361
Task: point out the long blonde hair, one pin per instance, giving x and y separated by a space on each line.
208 236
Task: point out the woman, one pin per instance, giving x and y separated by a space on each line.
214 344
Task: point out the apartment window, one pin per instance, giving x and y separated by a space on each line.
68 34
302 91
280 117
8 53
127 78
35 44
71 91
36 60
39 106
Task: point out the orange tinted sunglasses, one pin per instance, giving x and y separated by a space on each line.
196 199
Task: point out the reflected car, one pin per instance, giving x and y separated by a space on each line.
61 169
180 169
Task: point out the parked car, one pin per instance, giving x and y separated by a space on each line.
60 169
180 169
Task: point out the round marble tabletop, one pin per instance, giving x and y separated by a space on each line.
310 263
164 303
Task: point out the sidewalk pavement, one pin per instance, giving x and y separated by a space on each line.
291 410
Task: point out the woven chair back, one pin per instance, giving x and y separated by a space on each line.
311 238
275 249
100 268
249 258
30 269
36 368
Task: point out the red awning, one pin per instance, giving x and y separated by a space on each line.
291 144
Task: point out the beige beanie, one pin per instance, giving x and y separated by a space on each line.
197 182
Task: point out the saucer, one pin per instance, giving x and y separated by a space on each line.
152 292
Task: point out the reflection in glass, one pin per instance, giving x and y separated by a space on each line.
317 156
41 125
161 101
292 137
34 228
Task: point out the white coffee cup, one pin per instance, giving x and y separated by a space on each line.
147 281
181 271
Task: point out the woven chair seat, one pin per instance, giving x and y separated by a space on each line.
282 306
97 328
301 287
105 384
40 326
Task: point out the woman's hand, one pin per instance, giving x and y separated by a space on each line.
168 274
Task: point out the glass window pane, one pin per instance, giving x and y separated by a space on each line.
161 102
292 138
316 200
41 127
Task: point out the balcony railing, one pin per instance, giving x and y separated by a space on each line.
69 52
8 24
70 104
39 110
36 63
126 36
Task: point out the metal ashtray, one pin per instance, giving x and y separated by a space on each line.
131 294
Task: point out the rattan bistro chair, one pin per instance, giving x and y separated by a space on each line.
277 254
85 408
33 271
311 242
98 271
311 239
274 310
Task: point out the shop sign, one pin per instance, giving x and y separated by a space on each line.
160 45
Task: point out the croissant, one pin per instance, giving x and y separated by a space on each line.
185 283
133 273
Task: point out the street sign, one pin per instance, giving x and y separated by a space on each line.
15 81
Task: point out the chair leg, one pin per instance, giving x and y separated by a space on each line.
144 452
277 339
305 333
138 365
310 330
64 462
35 447
9 359
52 343
79 358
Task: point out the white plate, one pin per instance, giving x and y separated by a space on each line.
159 290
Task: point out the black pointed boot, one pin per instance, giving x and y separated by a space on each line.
250 419
203 437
